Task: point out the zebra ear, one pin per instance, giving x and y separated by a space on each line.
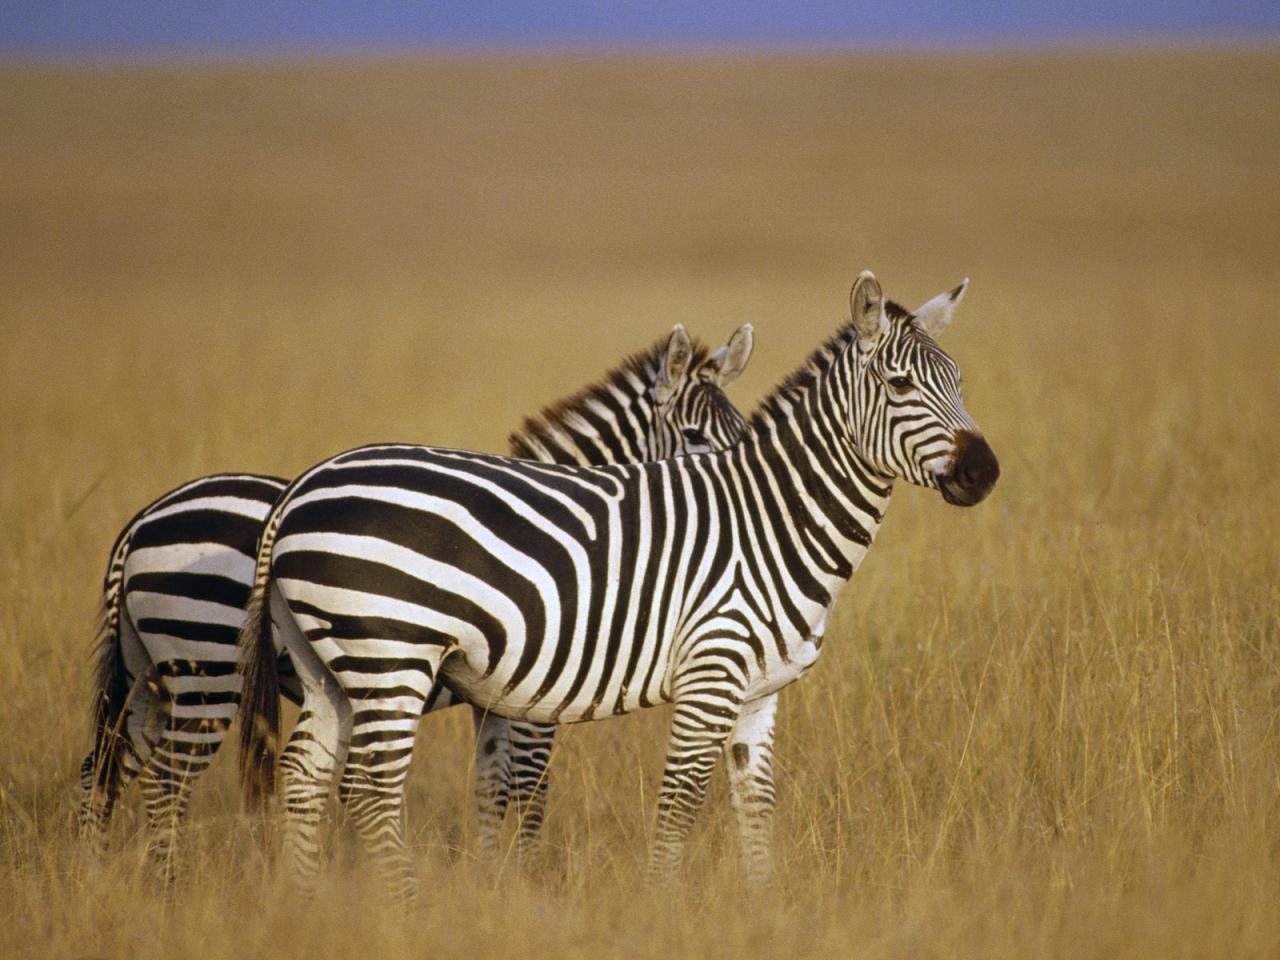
674 365
866 306
727 363
936 315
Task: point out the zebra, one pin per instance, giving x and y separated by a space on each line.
180 574
560 594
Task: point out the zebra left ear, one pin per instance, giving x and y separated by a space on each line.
936 315
727 363
866 307
674 365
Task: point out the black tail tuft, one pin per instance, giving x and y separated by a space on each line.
260 697
111 685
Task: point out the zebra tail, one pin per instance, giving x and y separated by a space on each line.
260 696
111 687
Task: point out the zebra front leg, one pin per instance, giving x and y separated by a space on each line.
749 761
531 745
705 714
493 778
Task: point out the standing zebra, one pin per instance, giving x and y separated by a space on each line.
562 594
181 571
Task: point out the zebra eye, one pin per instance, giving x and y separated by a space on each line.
901 383
695 437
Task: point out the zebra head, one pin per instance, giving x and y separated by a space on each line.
664 402
909 420
691 412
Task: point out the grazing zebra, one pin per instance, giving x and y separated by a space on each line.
181 571
561 594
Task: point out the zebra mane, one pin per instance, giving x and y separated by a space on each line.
632 377
782 399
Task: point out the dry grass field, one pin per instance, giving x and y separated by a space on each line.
1044 727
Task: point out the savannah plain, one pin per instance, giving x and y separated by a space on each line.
1043 727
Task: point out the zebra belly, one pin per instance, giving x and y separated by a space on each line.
803 650
488 693
779 675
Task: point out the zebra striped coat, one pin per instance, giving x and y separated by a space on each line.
564 594
181 571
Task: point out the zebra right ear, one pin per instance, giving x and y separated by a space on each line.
674 365
729 361
935 316
866 306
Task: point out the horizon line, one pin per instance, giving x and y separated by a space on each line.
311 51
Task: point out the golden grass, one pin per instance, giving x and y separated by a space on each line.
1046 727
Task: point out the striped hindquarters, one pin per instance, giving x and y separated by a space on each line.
174 597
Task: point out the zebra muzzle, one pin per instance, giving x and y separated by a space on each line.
974 474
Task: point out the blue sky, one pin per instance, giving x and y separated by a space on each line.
164 27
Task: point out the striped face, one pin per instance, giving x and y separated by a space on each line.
910 419
692 413
665 402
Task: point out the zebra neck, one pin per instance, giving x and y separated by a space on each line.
606 425
834 500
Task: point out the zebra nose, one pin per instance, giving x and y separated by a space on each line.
978 468
975 472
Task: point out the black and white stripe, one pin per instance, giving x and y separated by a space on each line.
167 685
550 593
667 402
181 572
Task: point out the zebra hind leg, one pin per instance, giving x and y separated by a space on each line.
186 748
98 801
372 785
708 700
99 795
118 756
308 764
531 745
749 761
311 759
492 779
164 795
